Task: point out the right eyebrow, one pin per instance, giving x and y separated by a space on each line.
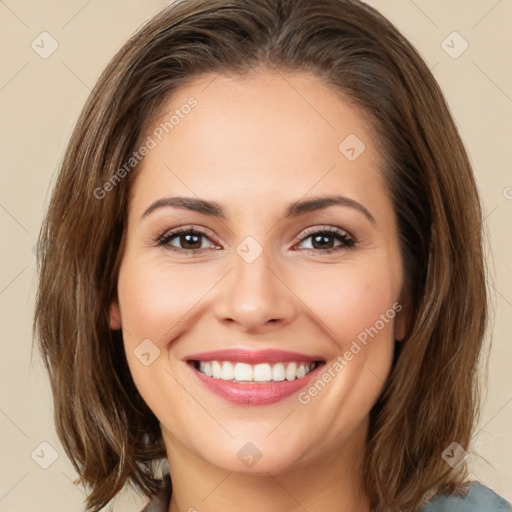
188 203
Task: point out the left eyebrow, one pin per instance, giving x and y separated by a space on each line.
294 209
309 205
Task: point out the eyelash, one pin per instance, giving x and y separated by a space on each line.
347 241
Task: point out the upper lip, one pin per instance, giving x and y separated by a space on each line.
252 357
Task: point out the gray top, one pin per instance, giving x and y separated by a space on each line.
475 497
478 499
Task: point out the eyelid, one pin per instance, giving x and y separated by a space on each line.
325 228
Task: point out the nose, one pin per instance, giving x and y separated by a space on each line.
255 297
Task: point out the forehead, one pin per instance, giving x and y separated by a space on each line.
226 136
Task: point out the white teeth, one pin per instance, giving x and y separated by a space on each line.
263 372
278 372
291 371
216 369
228 371
206 368
243 371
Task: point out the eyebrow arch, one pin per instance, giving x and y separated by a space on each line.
188 203
309 205
295 209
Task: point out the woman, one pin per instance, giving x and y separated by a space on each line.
262 263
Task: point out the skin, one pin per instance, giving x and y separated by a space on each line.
254 145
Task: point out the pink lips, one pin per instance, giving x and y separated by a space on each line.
253 393
240 355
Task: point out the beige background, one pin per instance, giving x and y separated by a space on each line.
40 100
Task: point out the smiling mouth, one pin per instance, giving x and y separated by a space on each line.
262 373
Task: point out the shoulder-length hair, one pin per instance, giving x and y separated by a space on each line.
431 396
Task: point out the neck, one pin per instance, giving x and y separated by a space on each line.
332 481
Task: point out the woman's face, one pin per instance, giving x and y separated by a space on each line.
292 266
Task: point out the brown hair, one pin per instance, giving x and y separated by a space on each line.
431 396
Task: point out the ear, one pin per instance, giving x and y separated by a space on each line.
114 315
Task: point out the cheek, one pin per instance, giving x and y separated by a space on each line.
349 300
157 299
154 300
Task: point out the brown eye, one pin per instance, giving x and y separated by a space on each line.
186 240
327 240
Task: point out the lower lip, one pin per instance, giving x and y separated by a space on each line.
255 394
